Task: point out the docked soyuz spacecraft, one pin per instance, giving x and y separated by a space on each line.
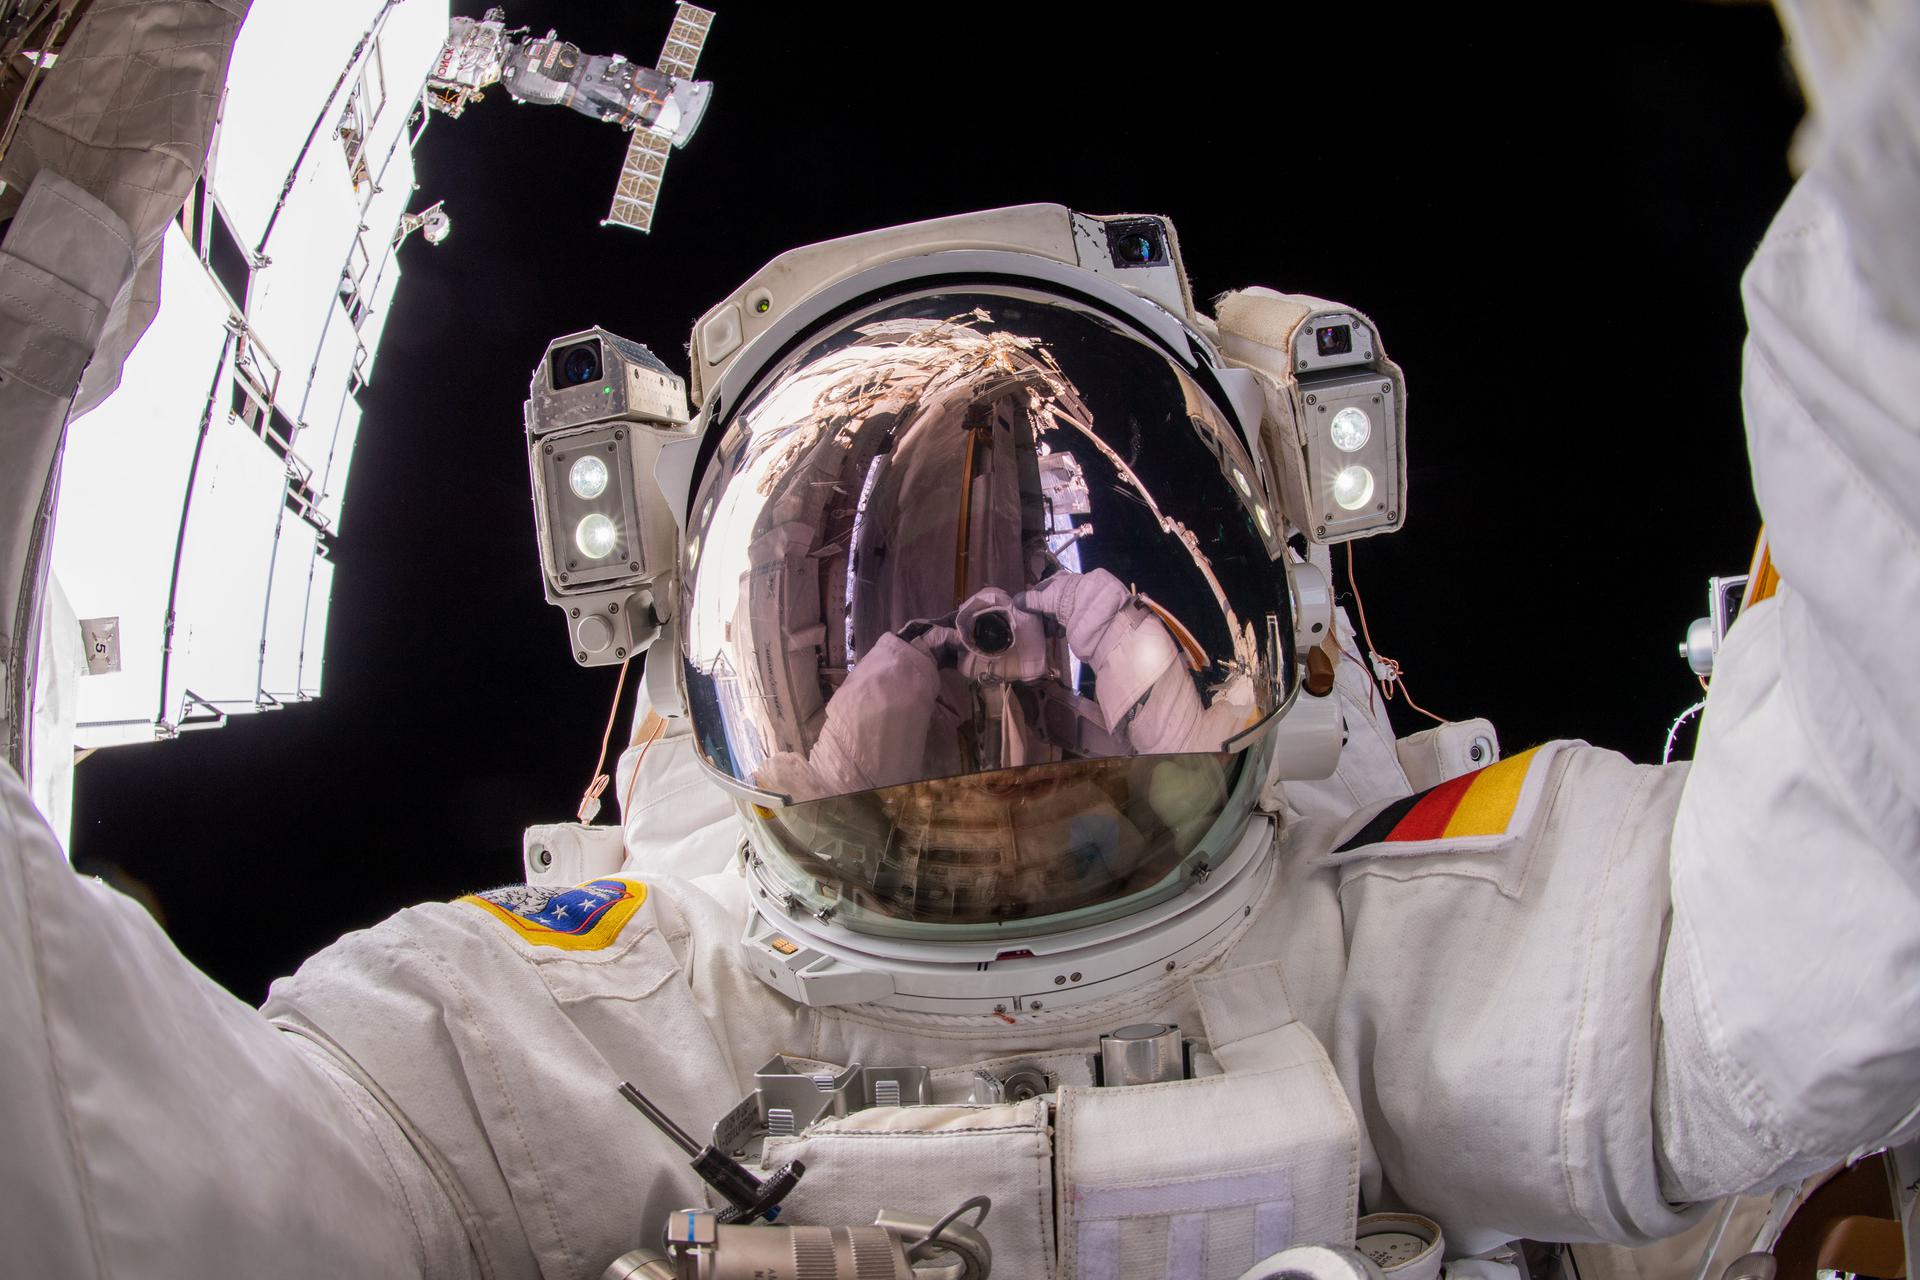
660 105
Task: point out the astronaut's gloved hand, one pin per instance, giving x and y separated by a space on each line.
1107 628
938 639
1085 604
875 733
1141 678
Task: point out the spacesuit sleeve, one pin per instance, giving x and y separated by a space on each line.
154 1125
1790 1011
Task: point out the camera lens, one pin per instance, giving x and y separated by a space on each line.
992 633
577 365
1136 244
1334 339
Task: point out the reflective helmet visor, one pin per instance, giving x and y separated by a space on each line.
982 531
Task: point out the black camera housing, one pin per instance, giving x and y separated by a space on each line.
577 365
1139 243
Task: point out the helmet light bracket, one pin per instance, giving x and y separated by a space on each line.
1100 245
1334 427
599 410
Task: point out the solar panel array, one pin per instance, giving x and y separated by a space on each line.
637 191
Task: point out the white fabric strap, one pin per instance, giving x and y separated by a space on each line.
1272 1226
1189 1225
1099 1248
1187 1245
1186 1238
1198 1196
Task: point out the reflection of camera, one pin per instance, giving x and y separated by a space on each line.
577 365
992 633
1136 244
1002 643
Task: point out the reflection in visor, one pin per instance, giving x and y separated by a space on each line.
970 532
1074 843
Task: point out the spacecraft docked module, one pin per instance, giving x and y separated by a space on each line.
660 105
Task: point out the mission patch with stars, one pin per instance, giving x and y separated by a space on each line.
583 918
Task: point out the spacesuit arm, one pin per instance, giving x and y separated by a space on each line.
1789 1006
155 1125
875 734
1140 679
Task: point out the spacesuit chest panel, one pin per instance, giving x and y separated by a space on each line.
1192 1179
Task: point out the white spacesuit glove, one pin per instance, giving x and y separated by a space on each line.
1141 680
875 734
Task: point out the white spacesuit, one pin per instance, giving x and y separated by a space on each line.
1563 997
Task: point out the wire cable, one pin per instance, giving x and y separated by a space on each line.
1385 671
982 1203
590 800
633 775
1666 752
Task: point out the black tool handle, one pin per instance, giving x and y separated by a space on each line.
750 1197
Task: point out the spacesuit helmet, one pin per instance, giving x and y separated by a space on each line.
983 614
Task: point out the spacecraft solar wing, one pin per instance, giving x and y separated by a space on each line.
685 38
638 189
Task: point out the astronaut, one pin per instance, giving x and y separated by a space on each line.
1145 690
994 830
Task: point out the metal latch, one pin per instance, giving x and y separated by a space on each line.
785 1101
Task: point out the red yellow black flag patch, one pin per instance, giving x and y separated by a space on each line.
1477 810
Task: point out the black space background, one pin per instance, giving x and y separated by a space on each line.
1547 222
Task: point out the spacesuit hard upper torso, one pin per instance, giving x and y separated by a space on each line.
1308 1063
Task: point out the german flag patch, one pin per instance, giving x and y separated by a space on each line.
584 918
1480 810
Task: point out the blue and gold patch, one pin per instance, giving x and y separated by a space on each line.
584 918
